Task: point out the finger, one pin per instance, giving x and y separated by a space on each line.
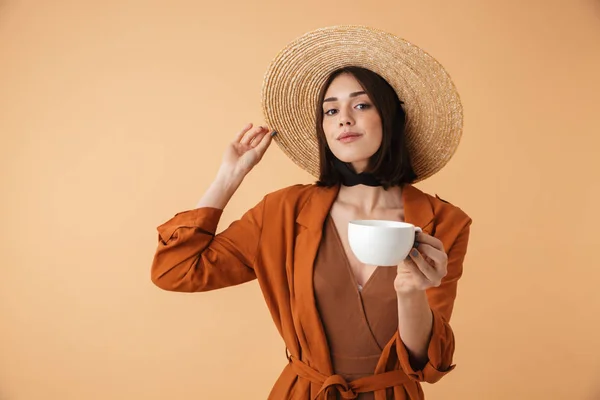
265 142
437 256
241 133
422 237
256 139
251 134
414 270
426 269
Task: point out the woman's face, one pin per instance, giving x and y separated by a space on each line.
351 122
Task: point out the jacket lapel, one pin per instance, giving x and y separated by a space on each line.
418 210
310 329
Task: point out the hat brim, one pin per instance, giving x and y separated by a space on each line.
434 113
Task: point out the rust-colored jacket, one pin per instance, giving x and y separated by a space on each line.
276 242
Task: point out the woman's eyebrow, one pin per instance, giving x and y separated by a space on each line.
354 94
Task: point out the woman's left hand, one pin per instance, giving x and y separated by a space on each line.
425 266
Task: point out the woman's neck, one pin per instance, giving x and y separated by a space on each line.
367 199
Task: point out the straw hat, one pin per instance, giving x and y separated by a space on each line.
434 115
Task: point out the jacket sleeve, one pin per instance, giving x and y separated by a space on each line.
441 301
190 257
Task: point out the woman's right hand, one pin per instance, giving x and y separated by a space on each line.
246 150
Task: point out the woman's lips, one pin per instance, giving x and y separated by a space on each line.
349 137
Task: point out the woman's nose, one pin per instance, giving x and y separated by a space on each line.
345 119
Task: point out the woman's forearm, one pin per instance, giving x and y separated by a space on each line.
415 324
220 190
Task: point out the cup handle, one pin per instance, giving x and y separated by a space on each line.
417 230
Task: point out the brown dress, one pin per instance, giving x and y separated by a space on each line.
358 322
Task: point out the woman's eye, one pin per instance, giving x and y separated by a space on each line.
361 106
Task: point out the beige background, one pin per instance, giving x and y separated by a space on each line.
114 115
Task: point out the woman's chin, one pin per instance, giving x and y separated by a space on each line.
353 159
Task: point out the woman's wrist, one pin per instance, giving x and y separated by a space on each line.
221 190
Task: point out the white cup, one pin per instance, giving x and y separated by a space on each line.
381 242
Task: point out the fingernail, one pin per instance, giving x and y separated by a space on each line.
414 252
274 133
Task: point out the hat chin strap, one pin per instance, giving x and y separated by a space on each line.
351 178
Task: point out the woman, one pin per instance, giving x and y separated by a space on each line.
351 330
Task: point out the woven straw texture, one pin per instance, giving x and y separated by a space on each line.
292 82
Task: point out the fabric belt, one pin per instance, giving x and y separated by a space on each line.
348 390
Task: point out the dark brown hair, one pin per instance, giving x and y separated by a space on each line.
391 162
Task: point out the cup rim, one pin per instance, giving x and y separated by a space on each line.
380 223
